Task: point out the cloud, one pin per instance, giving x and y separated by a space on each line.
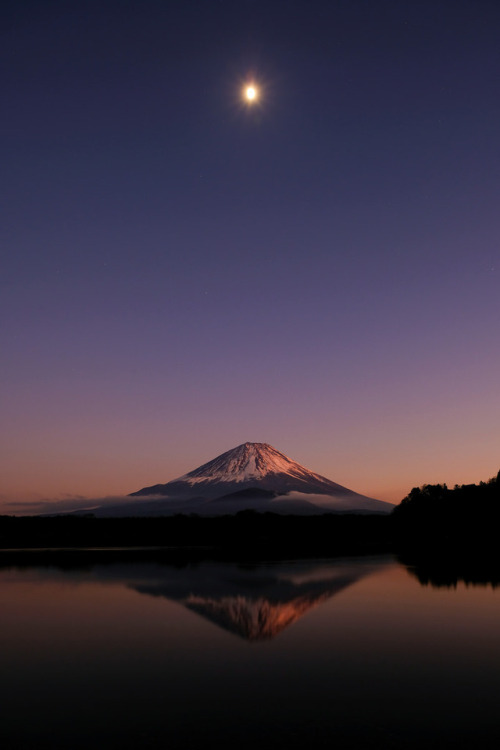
342 503
64 505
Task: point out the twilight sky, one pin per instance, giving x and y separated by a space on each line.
182 273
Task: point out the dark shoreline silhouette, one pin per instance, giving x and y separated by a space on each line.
432 521
247 534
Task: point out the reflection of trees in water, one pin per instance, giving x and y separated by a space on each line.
448 572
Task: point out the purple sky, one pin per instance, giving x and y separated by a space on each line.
182 273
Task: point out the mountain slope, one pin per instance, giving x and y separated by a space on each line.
249 465
256 467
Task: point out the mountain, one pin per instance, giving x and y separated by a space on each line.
257 476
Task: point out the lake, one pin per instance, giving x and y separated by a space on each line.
345 653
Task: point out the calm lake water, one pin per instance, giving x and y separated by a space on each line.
352 653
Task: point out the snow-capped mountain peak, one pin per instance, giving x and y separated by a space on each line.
252 475
245 462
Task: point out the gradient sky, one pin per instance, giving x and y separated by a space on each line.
182 273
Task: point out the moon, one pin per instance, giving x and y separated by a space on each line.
251 93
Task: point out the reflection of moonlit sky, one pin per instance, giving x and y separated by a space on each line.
183 272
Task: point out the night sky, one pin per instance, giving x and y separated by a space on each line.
182 272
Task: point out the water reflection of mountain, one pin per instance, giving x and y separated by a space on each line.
257 603
253 601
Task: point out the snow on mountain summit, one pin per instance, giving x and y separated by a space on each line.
245 462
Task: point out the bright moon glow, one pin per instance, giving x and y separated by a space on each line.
251 93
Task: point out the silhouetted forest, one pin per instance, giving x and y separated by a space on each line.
247 534
467 515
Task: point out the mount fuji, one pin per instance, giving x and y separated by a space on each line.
254 476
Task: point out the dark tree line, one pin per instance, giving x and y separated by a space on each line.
467 515
246 534
462 498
